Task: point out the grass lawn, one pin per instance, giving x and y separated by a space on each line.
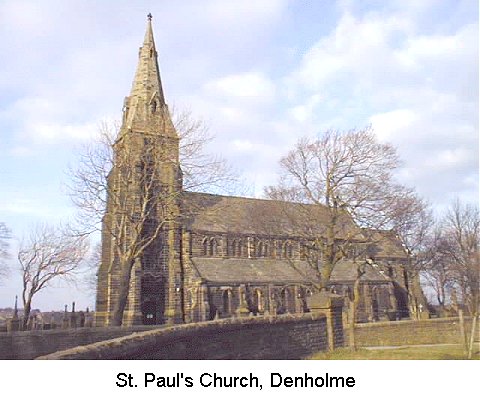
440 352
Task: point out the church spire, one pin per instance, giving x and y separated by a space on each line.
145 109
147 83
149 33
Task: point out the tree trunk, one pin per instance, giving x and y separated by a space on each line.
461 321
329 250
119 307
472 336
351 327
354 309
326 273
27 307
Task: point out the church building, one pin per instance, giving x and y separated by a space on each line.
206 256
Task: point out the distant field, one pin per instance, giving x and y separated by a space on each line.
440 352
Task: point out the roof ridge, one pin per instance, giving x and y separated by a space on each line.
253 198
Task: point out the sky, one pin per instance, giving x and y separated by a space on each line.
260 73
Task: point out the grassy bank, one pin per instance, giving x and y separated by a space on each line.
438 352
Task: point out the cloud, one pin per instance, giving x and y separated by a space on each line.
357 48
391 123
252 87
418 89
243 145
258 13
303 112
22 206
416 83
261 73
43 121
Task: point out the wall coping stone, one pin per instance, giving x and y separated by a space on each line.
367 325
137 342
53 332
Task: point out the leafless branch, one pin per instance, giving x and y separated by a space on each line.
347 175
50 253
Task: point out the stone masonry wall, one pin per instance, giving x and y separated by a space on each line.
399 333
32 344
282 337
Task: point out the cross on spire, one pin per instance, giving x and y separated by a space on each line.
149 16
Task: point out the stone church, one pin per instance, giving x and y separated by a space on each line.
221 256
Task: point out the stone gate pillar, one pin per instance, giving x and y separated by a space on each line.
331 305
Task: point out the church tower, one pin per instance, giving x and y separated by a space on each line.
140 272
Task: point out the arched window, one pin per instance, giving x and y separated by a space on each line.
288 302
260 249
266 250
287 250
279 249
153 106
227 302
304 294
213 247
251 247
232 248
239 248
290 250
347 292
352 252
303 251
375 302
259 301
205 246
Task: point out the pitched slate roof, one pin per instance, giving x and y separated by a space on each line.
244 270
215 213
346 271
264 270
387 245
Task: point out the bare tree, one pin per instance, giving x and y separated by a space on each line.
438 273
4 237
412 221
92 262
462 233
455 265
123 185
201 170
348 175
354 304
131 184
47 255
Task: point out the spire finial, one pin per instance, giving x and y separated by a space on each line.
149 16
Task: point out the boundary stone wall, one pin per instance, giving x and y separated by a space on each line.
28 345
409 332
280 337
